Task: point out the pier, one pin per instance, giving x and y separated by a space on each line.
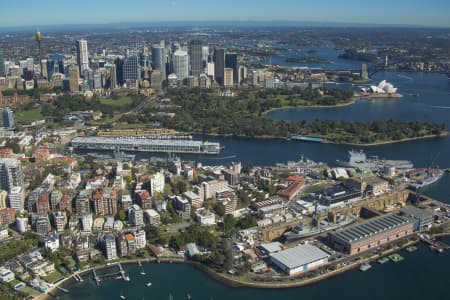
97 279
62 289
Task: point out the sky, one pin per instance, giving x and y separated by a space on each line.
15 13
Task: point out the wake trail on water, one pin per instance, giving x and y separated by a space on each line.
403 76
441 107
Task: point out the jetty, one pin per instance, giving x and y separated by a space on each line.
62 289
97 279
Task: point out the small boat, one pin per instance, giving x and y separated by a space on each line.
142 272
121 295
188 296
127 278
364 267
149 284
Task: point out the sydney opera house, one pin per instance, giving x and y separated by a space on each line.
383 90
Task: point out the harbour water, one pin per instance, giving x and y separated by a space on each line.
422 275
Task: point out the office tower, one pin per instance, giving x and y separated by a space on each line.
119 72
242 74
57 79
205 55
44 71
156 80
97 81
180 64
82 55
159 60
50 66
131 71
74 78
231 62
219 65
195 55
2 65
112 77
364 74
228 77
7 118
210 70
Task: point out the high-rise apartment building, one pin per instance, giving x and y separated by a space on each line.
82 56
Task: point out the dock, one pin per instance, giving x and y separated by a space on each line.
97 279
62 289
439 246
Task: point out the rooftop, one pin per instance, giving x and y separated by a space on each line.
371 227
299 256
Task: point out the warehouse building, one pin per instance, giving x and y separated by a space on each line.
371 234
299 259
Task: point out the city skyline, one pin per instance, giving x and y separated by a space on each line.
416 13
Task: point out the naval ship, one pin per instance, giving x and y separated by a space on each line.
358 159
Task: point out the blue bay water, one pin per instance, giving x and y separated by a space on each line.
422 275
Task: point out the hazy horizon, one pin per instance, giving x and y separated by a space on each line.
432 13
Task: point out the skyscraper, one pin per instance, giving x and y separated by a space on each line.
219 65
195 54
159 60
2 65
364 74
112 77
119 71
231 62
131 70
180 64
82 55
74 79
205 55
228 77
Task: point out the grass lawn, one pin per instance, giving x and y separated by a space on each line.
27 116
52 277
122 101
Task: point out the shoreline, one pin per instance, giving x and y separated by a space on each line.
236 282
325 141
347 103
49 294
224 278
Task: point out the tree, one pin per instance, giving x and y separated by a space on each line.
219 209
121 215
